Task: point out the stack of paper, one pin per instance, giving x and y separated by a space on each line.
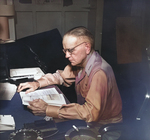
7 122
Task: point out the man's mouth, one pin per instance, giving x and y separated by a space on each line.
70 60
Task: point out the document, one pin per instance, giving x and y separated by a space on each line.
7 122
50 96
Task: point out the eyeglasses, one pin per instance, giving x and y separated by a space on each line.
72 49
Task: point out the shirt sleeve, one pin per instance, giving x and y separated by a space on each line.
65 77
95 101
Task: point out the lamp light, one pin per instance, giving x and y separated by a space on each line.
7 10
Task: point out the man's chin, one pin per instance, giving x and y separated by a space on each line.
73 64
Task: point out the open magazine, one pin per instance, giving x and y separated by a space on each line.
49 95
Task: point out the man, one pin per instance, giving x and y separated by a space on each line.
97 92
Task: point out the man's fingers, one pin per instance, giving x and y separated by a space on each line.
22 86
31 107
30 86
29 90
37 107
34 103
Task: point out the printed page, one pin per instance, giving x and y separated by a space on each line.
50 96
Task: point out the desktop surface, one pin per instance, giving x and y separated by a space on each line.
23 116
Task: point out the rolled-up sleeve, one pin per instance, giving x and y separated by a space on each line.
95 103
65 77
100 105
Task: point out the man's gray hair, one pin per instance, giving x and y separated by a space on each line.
81 31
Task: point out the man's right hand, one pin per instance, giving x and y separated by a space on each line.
30 86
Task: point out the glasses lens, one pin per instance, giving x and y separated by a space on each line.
64 50
69 50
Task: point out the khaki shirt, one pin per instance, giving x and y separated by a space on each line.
97 92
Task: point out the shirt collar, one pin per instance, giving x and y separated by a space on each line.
90 63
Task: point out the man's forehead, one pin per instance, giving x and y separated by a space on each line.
69 39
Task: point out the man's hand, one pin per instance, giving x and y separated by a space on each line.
31 86
38 107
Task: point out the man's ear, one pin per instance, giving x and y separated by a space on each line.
88 48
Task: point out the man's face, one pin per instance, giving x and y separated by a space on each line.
76 50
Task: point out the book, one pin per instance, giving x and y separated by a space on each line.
7 123
49 95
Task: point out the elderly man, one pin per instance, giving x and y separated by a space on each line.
97 92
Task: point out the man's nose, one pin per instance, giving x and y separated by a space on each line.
67 54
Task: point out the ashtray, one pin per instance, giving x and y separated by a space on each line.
82 133
26 134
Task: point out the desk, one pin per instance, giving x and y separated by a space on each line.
22 115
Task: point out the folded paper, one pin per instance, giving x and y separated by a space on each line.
7 122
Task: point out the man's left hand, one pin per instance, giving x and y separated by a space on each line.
38 107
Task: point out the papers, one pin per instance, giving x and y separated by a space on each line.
7 91
7 122
36 72
50 96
